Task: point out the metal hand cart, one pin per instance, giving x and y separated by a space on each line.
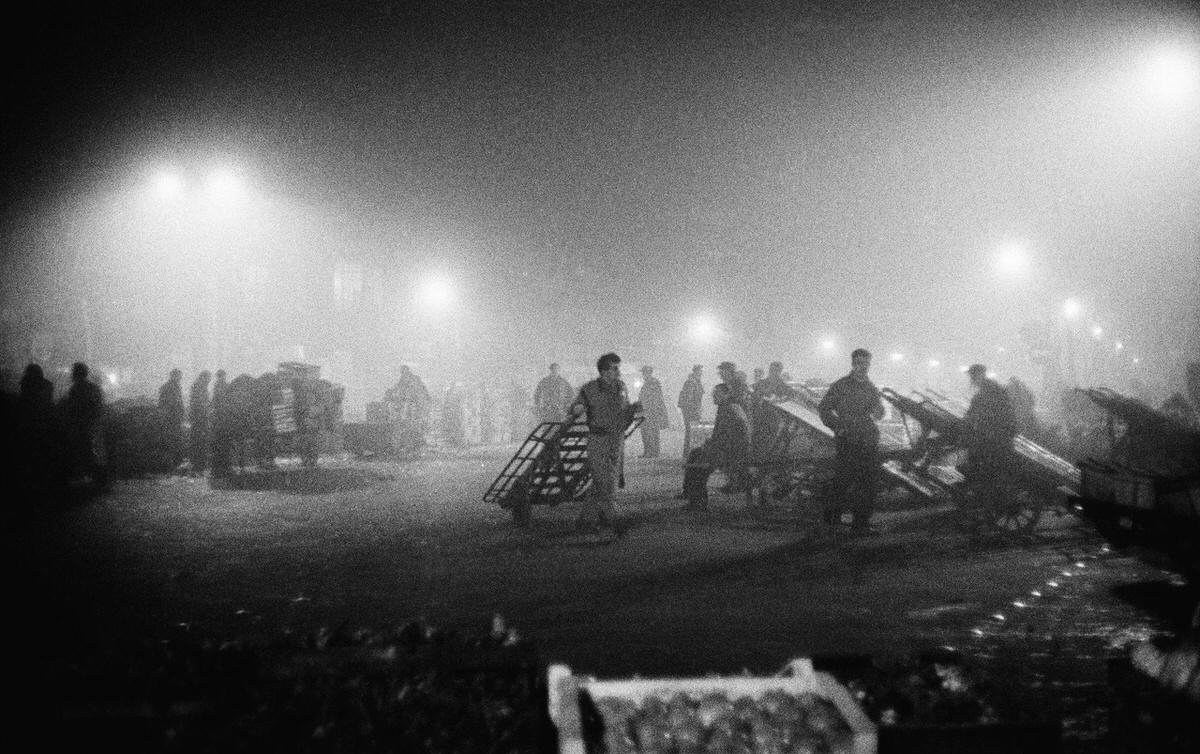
549 468
796 458
1034 479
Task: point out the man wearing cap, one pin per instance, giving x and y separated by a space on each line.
731 430
850 408
690 403
993 425
604 405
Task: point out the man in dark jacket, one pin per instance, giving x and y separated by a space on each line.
82 410
992 425
200 416
170 403
850 408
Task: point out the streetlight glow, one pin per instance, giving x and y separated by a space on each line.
1072 308
1011 260
1172 74
166 185
703 328
1097 331
224 185
436 293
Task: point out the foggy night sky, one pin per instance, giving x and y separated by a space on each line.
597 173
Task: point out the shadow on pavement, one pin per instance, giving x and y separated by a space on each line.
301 481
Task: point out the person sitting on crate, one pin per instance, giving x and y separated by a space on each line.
604 405
992 425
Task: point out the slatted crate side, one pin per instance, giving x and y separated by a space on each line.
565 689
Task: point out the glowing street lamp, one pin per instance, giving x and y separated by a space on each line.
436 293
1172 74
1097 332
1011 261
1072 308
703 329
224 186
166 185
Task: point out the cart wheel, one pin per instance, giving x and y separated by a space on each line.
521 512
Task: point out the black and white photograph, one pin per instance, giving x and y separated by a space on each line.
601 376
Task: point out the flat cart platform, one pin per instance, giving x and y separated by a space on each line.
550 467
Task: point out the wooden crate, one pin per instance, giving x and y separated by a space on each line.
564 689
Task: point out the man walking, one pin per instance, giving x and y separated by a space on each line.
850 409
604 405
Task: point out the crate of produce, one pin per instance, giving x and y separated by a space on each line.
801 711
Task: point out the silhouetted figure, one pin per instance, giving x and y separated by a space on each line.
170 403
731 429
200 416
1023 403
850 408
993 426
691 403
763 420
654 411
552 397
411 403
222 426
453 429
518 413
82 409
34 433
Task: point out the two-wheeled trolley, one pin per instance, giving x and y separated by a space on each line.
550 467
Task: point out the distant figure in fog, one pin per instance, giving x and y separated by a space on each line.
691 403
552 397
82 410
1023 405
654 408
763 420
200 416
518 413
453 424
222 426
170 403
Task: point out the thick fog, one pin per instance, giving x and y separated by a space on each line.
482 188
